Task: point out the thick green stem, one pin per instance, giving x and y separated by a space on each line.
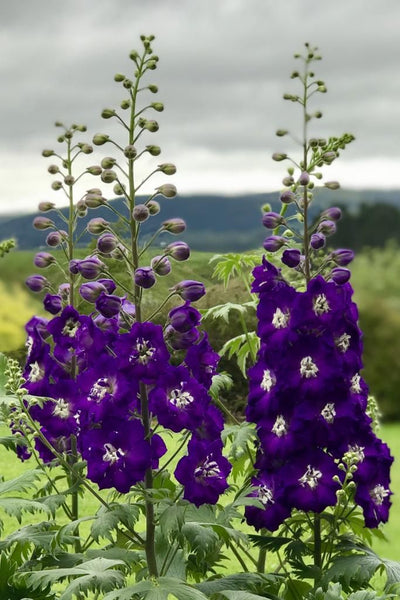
317 547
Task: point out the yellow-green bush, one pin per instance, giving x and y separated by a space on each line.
16 308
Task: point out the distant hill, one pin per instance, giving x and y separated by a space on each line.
214 222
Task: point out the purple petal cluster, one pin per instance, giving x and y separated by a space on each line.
308 400
91 377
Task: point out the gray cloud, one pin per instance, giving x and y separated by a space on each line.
224 65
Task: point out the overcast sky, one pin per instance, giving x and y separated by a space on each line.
224 65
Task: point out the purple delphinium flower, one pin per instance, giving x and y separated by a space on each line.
203 472
270 491
36 283
291 257
108 305
142 351
274 243
177 400
65 328
118 454
202 361
91 290
178 340
190 290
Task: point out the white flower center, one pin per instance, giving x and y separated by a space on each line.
356 453
378 494
280 319
36 373
71 327
310 477
320 305
28 345
143 352
280 427
208 468
112 454
180 399
329 412
268 380
61 409
343 342
308 368
101 388
265 495
355 384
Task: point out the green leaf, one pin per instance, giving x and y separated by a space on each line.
240 595
158 589
269 542
242 345
97 575
109 518
241 437
238 581
22 483
295 589
15 506
221 311
201 537
220 381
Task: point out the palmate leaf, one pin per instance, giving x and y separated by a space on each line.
230 265
242 346
356 569
97 575
269 542
14 506
22 483
108 518
41 535
201 537
9 591
221 311
241 437
240 582
221 381
157 589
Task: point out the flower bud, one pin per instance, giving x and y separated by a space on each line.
125 104
281 132
154 207
333 213
87 149
178 251
119 189
266 207
274 243
97 225
91 290
317 241
108 176
152 88
107 243
160 265
63 291
189 290
130 151
329 157
47 153
342 256
288 181
69 180
56 185
93 199
167 168
119 77
52 303
327 227
148 124
185 317
100 138
109 284
107 113
180 341
73 266
304 178
36 283
174 226
287 197
167 189
332 185
153 150
94 170
90 267
271 220
43 260
127 83
340 275
145 277
53 169
108 162
46 206
54 239
278 156
140 213
291 257
158 106
108 305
